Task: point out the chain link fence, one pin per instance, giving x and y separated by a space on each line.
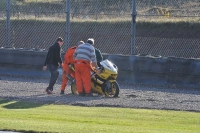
107 21
2 22
168 28
163 28
36 24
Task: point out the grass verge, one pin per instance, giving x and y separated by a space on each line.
32 117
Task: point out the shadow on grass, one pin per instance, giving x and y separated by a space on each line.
19 104
3 101
21 131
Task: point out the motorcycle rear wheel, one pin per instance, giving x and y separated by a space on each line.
74 89
113 90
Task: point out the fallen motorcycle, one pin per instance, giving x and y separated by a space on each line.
103 82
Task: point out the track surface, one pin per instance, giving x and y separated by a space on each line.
30 85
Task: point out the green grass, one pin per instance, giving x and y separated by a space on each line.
21 116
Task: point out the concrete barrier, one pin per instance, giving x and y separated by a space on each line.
132 69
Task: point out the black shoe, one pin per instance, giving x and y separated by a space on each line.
48 91
81 94
62 92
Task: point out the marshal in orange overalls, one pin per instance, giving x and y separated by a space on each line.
68 59
83 76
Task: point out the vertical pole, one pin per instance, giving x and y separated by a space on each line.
96 18
36 11
96 10
67 34
35 37
133 28
7 45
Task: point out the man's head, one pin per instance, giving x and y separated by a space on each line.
90 41
59 41
80 42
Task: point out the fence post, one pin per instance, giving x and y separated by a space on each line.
67 34
133 28
7 38
96 18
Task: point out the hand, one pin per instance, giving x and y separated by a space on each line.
98 71
44 68
62 64
93 69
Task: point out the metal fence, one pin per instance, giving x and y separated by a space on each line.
2 22
173 29
163 28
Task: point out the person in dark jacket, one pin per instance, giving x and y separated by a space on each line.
99 56
53 61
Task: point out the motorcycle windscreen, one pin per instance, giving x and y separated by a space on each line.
109 65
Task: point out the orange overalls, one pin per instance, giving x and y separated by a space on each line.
83 76
68 59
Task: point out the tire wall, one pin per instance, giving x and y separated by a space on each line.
157 70
132 69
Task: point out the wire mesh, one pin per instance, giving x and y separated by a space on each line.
108 22
36 24
169 28
2 22
164 28
178 8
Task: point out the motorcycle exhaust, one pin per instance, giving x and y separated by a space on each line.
70 78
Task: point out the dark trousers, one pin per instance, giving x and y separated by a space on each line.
54 75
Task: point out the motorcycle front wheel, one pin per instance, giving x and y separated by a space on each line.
112 90
74 89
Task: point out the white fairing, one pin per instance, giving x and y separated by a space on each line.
109 65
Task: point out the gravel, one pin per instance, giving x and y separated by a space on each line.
31 88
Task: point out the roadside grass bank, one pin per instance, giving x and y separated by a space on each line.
189 24
35 117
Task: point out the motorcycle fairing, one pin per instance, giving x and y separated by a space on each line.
109 65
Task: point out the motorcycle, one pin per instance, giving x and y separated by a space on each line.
103 80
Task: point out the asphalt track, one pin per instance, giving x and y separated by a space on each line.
29 85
